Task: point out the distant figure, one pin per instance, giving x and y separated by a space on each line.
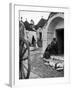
33 41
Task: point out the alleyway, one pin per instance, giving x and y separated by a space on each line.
39 69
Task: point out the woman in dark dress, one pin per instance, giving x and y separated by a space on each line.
52 49
33 41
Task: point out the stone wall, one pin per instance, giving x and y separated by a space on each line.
53 23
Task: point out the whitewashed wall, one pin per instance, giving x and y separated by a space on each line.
30 34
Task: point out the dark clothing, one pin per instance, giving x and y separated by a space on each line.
46 54
33 41
52 49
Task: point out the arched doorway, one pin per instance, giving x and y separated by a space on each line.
56 30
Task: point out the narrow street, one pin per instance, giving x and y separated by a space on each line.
39 69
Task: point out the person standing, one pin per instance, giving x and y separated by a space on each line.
33 41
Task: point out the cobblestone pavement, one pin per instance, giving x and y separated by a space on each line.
40 69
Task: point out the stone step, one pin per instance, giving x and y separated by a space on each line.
57 57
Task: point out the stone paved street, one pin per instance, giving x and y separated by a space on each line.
40 69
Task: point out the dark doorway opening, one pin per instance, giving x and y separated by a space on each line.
39 41
60 40
40 34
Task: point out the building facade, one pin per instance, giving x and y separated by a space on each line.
54 28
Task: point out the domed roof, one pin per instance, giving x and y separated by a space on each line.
41 23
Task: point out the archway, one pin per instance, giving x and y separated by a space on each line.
56 30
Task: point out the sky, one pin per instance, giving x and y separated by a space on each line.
36 16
